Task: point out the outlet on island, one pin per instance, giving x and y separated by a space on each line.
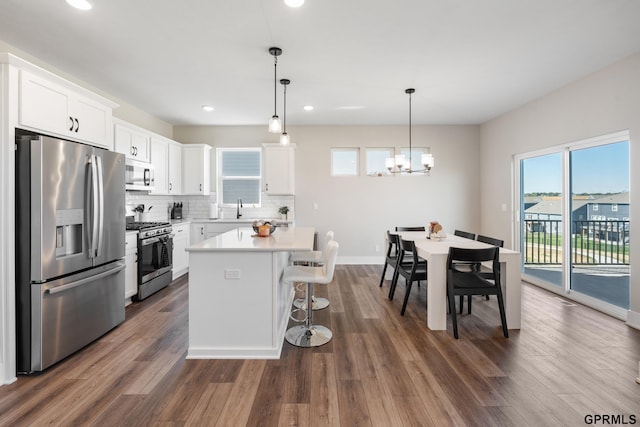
232 274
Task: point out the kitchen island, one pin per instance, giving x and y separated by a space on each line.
238 306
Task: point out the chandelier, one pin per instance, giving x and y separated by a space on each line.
399 163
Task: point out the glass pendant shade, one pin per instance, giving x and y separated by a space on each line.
427 161
275 125
80 4
400 161
284 139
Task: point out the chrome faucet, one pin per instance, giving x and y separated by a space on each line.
238 206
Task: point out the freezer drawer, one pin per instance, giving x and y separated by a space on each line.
69 313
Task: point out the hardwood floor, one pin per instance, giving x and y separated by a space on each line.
380 369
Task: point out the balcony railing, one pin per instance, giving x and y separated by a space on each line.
592 242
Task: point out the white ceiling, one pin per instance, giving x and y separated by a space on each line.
469 60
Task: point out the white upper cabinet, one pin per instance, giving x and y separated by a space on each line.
160 161
175 168
279 169
196 167
58 110
133 142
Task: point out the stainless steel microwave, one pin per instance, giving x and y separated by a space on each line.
139 176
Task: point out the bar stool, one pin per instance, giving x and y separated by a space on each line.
314 259
310 335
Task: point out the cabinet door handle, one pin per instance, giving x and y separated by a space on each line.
266 187
133 153
77 125
71 120
200 187
170 186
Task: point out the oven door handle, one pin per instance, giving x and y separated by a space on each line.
158 239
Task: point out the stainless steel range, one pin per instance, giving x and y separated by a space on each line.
155 256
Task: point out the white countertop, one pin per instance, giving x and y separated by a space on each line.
242 240
241 220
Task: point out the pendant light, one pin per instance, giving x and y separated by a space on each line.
284 136
294 3
275 125
399 163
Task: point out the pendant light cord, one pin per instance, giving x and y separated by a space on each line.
284 119
275 85
410 160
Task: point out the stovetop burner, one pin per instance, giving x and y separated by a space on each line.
138 225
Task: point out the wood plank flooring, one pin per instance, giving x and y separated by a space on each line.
380 369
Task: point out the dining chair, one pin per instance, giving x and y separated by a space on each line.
391 259
403 263
464 234
414 270
478 267
469 282
419 228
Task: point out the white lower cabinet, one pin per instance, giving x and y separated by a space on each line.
131 269
180 257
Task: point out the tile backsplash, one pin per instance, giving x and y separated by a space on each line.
197 207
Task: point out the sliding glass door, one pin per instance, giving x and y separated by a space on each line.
574 220
600 222
541 225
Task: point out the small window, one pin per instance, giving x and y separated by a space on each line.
614 207
239 175
344 161
595 207
376 161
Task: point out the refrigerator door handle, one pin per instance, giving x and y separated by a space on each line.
93 207
100 204
81 282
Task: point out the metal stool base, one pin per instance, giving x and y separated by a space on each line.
308 336
318 303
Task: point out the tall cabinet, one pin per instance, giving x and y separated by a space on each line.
279 169
196 164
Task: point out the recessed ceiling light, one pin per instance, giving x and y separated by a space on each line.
308 108
207 108
80 4
294 3
350 107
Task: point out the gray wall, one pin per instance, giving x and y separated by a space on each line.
602 103
360 209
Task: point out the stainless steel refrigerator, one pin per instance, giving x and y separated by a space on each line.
70 231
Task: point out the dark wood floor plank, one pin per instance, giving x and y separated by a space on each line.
324 408
238 406
209 405
294 414
354 410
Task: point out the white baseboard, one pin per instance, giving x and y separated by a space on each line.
362 260
633 319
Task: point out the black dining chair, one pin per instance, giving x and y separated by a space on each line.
464 234
391 258
470 282
478 267
405 261
410 267
419 228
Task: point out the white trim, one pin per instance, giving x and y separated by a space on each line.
361 260
633 319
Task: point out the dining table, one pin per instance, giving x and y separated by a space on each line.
435 251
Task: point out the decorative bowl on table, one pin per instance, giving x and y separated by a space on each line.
264 228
